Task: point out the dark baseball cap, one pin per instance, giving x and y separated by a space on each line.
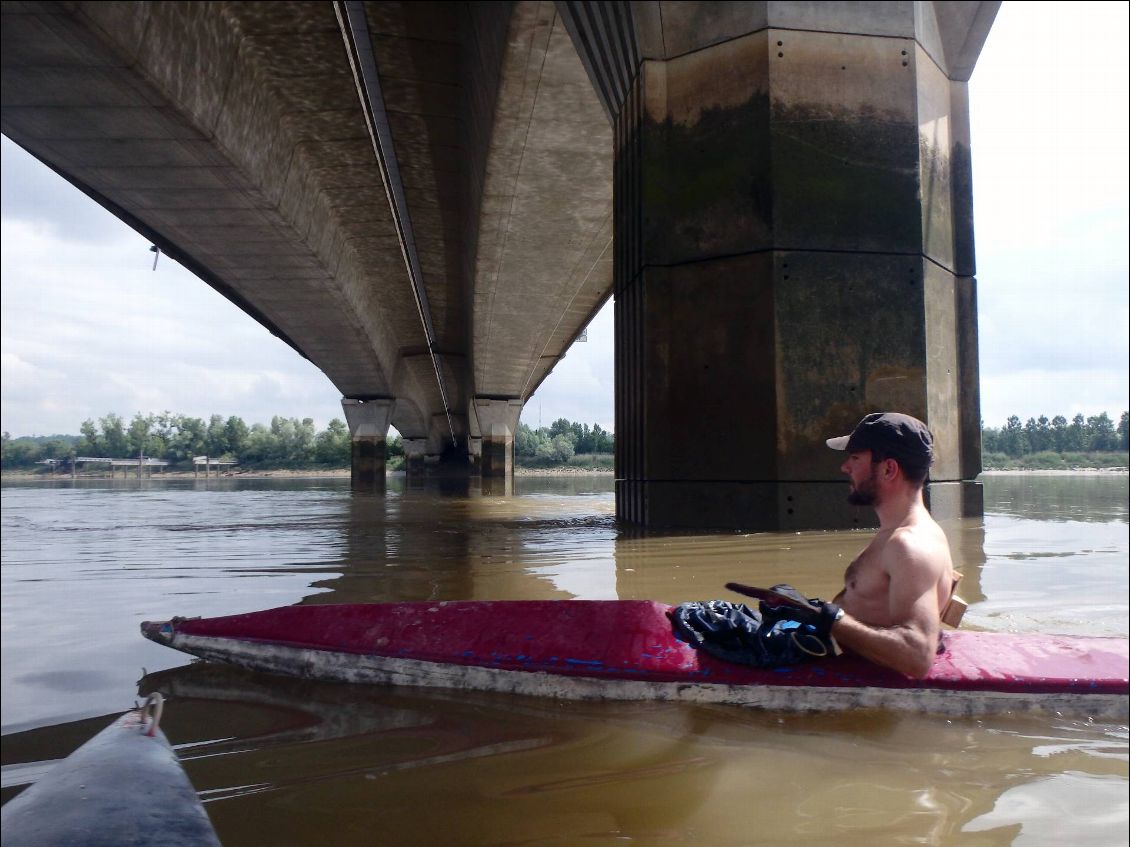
890 434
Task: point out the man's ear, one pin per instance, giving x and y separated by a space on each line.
890 469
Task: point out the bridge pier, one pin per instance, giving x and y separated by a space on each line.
368 422
498 422
794 248
415 453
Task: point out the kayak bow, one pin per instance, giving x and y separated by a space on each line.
123 787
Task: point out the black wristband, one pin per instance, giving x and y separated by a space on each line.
829 614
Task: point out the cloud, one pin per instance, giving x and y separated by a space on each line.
581 386
1050 169
89 328
1059 318
33 193
1034 392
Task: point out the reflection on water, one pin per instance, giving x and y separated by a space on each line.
1092 498
1056 555
291 762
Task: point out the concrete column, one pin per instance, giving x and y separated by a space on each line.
475 453
498 421
794 248
415 453
368 422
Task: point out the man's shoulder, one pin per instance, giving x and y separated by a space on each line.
923 543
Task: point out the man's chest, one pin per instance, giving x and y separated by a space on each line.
865 575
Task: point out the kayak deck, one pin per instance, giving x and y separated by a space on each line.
625 649
125 787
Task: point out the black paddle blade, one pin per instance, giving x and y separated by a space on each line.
767 594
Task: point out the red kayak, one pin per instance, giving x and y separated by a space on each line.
626 650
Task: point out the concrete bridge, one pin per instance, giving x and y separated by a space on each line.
421 199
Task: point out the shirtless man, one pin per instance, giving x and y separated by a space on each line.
895 589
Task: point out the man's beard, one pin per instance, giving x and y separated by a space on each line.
863 494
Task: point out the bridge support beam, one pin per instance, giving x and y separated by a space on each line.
415 453
368 422
794 248
498 422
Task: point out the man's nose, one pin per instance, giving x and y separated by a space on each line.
844 467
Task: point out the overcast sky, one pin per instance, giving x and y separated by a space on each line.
88 328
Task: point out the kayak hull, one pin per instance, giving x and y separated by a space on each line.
626 650
123 787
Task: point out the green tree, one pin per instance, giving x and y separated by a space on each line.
114 436
189 440
142 439
561 426
1124 431
91 442
1100 433
990 439
1059 433
603 441
1076 435
18 453
235 432
527 441
333 445
1039 434
294 441
257 446
216 437
559 448
163 427
582 438
55 448
1013 440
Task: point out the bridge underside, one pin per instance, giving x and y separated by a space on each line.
420 198
416 196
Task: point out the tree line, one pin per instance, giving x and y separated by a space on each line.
560 441
176 439
1095 434
285 443
292 443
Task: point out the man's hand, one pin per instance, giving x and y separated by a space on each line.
819 614
783 602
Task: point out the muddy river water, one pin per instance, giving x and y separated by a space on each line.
285 762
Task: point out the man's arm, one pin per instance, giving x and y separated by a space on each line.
909 643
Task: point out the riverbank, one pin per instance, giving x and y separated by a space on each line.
25 476
566 470
281 473
1054 472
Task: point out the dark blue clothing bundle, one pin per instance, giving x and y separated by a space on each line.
733 632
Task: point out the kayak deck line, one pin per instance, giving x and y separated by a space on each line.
626 650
